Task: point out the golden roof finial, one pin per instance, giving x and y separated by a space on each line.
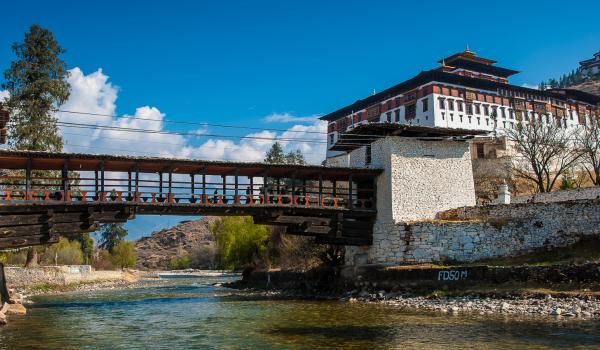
468 51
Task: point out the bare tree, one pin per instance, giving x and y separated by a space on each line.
544 152
588 141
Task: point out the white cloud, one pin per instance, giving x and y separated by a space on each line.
288 118
311 143
94 93
4 95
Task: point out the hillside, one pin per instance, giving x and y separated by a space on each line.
592 87
156 250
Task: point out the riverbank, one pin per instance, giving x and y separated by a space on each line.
569 291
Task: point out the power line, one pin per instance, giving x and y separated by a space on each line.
151 141
185 122
123 116
163 132
146 152
193 134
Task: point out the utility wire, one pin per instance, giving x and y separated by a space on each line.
184 122
150 141
123 116
193 134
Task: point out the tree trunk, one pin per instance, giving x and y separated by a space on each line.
32 257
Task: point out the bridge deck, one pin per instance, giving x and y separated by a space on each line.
44 195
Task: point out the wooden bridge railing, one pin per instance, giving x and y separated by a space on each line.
311 194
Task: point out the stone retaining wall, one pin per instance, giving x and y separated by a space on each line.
560 196
481 233
19 277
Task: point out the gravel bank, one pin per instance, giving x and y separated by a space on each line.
548 306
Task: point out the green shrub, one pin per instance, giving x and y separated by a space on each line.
179 263
123 254
64 252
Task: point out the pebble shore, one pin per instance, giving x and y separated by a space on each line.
548 306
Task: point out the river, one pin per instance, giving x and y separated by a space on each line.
194 314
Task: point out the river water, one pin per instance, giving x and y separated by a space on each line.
194 314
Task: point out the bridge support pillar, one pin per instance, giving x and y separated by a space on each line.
4 296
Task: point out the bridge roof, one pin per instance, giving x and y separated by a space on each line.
10 159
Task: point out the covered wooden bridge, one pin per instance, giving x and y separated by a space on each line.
44 195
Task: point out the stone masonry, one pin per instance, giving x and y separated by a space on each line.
423 183
421 178
485 232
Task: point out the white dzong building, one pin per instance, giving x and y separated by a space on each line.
465 94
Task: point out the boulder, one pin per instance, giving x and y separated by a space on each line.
16 309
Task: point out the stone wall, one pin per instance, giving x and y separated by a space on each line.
560 196
18 277
482 233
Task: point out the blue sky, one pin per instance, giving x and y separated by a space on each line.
237 62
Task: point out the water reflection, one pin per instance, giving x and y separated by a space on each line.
193 314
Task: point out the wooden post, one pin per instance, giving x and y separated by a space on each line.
293 188
224 187
96 182
203 184
137 180
192 185
129 183
28 180
350 199
102 180
320 189
160 184
65 179
278 186
170 185
237 172
251 178
265 189
304 187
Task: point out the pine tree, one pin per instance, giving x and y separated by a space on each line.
36 83
111 235
275 155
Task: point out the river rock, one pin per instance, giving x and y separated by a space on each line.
556 312
2 320
16 309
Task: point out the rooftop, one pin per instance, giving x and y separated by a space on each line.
367 133
90 162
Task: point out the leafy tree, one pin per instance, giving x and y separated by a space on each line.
87 246
65 252
296 158
123 254
36 85
275 155
240 241
111 235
